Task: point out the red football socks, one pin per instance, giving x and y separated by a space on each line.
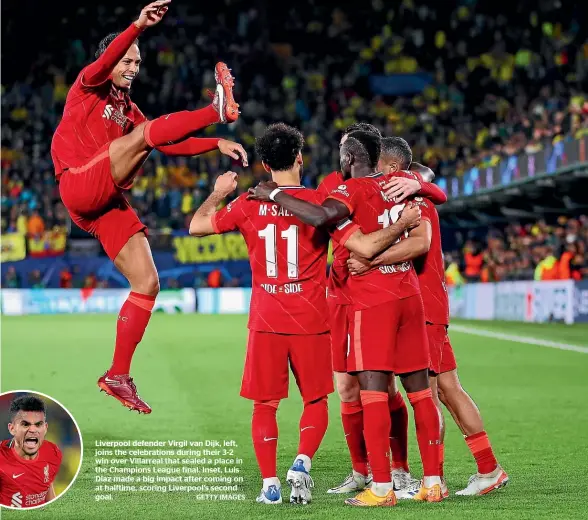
132 321
428 430
481 449
169 129
398 432
264 432
376 430
352 419
313 426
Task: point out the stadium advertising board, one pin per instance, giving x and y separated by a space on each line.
516 168
581 302
213 248
17 302
558 300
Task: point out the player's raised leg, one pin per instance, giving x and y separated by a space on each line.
129 152
310 361
135 262
490 475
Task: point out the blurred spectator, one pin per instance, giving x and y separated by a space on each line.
91 282
11 279
536 250
35 280
35 224
215 278
65 279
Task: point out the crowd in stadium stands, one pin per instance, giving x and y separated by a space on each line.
505 79
535 251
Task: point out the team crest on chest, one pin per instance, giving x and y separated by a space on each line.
46 473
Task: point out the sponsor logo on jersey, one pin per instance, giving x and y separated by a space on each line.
115 115
16 500
342 189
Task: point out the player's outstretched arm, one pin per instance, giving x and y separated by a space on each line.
425 172
201 224
199 145
418 243
370 245
411 183
98 71
331 212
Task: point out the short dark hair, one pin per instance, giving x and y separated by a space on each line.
26 403
370 143
279 145
399 149
366 127
105 42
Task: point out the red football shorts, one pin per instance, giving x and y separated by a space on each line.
266 375
441 351
339 335
97 205
390 337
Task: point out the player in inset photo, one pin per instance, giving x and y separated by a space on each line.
29 462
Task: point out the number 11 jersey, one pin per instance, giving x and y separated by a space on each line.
370 210
288 263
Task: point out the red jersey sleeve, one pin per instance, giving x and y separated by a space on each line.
348 194
230 217
428 189
329 183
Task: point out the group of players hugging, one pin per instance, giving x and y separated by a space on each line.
382 311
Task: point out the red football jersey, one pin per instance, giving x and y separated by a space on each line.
92 117
288 263
430 269
371 210
25 483
339 273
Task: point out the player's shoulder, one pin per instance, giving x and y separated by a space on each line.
5 446
304 193
51 451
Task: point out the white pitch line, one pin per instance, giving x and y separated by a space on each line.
518 339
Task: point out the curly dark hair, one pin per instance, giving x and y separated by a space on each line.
365 146
279 145
365 127
399 149
26 403
105 42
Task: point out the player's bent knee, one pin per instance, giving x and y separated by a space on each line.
348 389
149 284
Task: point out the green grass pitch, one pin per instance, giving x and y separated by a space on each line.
533 400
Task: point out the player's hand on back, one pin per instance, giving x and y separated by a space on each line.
357 264
226 183
152 14
262 191
398 188
410 217
234 150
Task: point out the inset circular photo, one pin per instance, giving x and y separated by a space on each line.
40 452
